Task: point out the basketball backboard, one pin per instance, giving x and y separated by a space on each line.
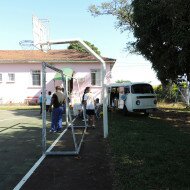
40 32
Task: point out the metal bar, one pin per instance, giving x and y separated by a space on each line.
53 68
67 104
79 146
73 132
68 115
104 91
81 126
58 138
62 153
83 109
103 64
188 93
43 108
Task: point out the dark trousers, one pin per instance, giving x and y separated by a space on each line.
56 120
40 108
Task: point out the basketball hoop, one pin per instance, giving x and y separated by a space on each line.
41 33
27 44
45 48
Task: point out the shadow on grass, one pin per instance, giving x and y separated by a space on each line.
149 153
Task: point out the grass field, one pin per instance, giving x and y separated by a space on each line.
149 153
19 107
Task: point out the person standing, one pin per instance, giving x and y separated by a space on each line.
90 106
40 102
116 98
84 107
57 101
48 101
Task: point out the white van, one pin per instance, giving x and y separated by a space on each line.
132 97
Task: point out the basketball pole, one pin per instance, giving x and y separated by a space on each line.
103 73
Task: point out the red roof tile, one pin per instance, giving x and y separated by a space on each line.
52 55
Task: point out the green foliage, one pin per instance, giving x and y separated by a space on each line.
170 93
121 9
77 47
161 29
122 81
162 35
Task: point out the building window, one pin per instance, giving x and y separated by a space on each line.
36 78
95 77
1 77
11 77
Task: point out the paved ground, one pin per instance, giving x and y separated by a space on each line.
90 170
19 145
20 148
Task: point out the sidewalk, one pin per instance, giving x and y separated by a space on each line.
88 171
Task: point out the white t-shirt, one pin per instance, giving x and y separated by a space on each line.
88 97
48 99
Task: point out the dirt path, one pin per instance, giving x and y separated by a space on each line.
90 170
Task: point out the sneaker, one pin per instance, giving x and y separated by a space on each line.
52 131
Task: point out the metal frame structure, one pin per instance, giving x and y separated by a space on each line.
187 97
42 42
103 73
41 36
69 120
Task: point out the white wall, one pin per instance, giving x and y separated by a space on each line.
22 88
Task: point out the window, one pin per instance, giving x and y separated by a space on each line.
95 77
126 90
11 77
36 78
1 77
142 89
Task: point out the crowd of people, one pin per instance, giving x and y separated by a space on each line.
56 104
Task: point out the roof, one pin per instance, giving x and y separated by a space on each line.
70 55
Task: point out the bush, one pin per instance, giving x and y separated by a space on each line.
169 94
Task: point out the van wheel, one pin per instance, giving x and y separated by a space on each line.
125 111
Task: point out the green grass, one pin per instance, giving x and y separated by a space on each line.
148 154
19 107
177 106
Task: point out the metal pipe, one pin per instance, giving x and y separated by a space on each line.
67 104
68 153
44 108
83 109
79 146
103 64
104 91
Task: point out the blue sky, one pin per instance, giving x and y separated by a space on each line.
68 19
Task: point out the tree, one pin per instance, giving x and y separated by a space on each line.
121 9
76 46
122 81
161 29
162 35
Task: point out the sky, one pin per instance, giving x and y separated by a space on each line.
71 19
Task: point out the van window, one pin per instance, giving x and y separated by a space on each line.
142 89
126 90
